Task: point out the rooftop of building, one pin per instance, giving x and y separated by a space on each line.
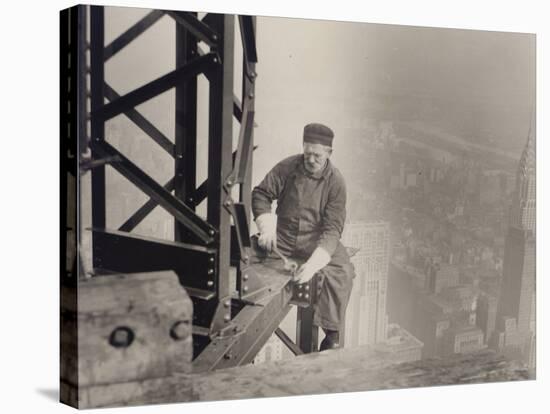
399 339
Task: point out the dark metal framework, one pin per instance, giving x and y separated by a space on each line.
203 250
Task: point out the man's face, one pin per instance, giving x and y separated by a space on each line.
315 156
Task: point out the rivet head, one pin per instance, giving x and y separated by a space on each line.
211 260
211 232
245 289
306 296
306 287
227 303
210 271
214 37
251 95
227 317
210 283
245 276
300 294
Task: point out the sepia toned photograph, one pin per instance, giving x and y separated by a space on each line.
268 206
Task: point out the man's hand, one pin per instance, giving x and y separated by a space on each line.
267 225
304 273
318 259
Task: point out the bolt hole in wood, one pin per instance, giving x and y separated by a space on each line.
179 330
121 337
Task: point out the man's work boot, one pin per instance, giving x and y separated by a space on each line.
331 340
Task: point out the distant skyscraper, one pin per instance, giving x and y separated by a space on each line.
273 350
486 314
366 318
515 313
523 204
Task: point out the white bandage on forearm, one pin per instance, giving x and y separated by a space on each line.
267 226
318 259
267 223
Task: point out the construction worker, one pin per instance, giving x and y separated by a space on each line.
308 223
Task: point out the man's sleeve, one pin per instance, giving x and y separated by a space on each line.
267 191
334 216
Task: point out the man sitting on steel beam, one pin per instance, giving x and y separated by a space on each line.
308 224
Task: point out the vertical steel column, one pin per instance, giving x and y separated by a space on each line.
68 92
68 128
220 142
186 130
245 195
97 44
82 98
307 334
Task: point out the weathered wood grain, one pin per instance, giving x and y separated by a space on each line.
149 306
360 369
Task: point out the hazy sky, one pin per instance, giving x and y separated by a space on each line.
475 83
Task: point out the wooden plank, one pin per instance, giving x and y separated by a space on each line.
343 370
155 310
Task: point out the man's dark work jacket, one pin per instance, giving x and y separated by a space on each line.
311 211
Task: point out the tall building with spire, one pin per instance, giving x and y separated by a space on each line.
514 333
523 205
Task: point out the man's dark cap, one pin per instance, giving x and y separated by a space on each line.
318 134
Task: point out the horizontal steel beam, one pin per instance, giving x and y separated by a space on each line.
117 251
131 34
196 27
143 123
201 64
199 227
